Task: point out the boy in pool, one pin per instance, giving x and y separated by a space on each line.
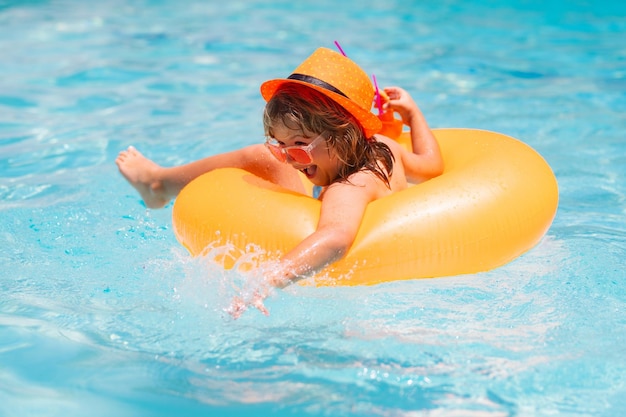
317 121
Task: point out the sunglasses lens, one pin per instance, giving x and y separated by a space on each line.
299 155
276 151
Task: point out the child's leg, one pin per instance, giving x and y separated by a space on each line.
157 185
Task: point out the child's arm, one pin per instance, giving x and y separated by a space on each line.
425 161
341 213
342 210
157 185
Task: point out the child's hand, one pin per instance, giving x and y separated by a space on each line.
254 292
400 100
238 306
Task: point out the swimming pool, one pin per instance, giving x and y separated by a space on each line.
103 313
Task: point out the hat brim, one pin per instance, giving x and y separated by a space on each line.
370 123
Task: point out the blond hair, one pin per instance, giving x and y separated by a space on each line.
301 108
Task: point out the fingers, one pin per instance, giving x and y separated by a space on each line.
258 303
393 93
238 306
397 94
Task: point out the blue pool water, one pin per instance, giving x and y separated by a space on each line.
102 313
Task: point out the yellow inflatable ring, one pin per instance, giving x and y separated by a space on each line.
495 200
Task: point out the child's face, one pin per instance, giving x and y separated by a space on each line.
323 167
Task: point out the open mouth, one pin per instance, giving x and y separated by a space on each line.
309 171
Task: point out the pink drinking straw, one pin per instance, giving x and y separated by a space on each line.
379 104
340 49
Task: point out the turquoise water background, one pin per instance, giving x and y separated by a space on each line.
103 313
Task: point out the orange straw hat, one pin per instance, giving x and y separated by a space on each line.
337 77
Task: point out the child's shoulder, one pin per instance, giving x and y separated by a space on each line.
396 148
362 183
393 144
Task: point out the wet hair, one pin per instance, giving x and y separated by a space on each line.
302 108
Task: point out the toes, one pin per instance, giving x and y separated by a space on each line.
123 155
133 151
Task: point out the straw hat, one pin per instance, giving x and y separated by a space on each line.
337 77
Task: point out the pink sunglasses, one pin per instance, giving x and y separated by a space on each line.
299 153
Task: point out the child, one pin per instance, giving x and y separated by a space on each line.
317 121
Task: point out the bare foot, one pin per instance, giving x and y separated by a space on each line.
142 174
